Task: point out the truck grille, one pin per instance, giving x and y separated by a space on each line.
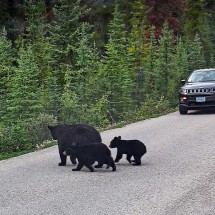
201 90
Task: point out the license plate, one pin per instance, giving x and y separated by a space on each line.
200 99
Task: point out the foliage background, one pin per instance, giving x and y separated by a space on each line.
95 62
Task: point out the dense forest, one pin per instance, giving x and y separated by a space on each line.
97 62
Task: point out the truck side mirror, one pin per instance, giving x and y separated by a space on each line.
183 82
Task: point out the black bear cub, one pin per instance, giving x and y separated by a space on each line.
89 154
131 148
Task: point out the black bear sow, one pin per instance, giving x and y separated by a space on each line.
87 155
77 134
131 148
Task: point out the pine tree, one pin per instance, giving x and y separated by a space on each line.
23 95
36 35
164 62
150 66
117 69
195 54
6 67
71 111
193 11
35 12
180 70
198 22
81 99
64 31
181 59
85 63
205 33
50 94
138 47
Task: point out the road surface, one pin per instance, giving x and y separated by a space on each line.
177 175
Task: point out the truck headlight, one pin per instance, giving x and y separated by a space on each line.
183 91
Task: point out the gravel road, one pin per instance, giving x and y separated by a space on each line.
177 175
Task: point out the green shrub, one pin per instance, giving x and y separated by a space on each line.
38 129
152 108
97 114
14 137
162 106
25 135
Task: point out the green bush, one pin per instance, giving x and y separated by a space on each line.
27 134
152 108
14 137
97 114
38 129
162 106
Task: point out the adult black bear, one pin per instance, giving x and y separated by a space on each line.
131 148
89 154
68 135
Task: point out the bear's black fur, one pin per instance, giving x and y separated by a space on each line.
131 148
68 135
89 154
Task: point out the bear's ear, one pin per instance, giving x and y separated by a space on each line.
119 137
115 138
50 127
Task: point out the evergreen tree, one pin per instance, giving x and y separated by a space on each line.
194 11
164 62
6 67
23 95
86 65
205 33
63 32
51 93
210 6
36 35
195 54
71 111
35 13
180 70
117 69
181 60
150 67
138 47
197 22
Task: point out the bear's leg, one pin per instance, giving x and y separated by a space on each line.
128 157
73 159
79 167
63 160
99 165
89 167
118 157
137 160
112 164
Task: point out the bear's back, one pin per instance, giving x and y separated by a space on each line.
132 146
96 151
79 134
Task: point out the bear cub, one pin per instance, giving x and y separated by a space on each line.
131 148
89 154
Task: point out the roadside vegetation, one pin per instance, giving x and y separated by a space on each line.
57 66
